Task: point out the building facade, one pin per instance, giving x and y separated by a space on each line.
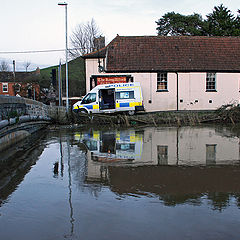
20 84
175 73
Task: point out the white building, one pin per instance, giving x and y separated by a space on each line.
176 73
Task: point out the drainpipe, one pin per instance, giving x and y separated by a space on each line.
150 97
177 92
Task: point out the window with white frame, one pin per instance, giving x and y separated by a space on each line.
5 87
211 81
162 81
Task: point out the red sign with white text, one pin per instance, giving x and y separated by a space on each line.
108 80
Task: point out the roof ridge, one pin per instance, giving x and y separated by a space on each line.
161 36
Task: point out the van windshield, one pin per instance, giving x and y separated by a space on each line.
91 97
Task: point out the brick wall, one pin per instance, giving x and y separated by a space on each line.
29 90
6 89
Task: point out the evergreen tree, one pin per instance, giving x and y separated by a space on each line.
176 24
221 22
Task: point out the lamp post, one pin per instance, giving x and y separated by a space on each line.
65 5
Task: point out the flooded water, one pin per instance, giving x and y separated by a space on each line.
148 183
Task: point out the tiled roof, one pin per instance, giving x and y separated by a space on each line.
97 54
167 53
101 53
19 76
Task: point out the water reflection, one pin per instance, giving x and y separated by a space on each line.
17 161
158 174
177 164
162 146
177 185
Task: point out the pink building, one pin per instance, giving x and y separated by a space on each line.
175 73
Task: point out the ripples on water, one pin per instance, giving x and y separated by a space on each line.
149 183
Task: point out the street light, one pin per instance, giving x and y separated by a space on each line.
65 4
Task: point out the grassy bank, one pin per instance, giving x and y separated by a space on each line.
76 77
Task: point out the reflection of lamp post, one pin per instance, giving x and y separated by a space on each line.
65 4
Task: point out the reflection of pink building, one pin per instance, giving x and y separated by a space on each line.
176 73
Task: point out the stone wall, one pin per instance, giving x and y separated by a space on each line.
11 107
20 117
58 114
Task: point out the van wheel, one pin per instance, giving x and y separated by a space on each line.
82 111
131 113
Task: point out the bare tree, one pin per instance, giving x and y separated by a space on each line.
4 67
26 65
82 38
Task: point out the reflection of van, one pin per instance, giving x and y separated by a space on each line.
113 146
109 98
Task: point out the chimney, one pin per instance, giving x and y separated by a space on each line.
37 71
99 43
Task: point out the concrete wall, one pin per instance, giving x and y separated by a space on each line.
189 94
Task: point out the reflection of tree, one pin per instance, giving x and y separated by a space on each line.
176 185
237 197
219 200
78 167
172 200
95 189
78 170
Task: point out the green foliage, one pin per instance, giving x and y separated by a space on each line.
76 77
45 77
175 24
221 22
12 114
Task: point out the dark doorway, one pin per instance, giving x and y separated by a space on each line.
108 143
107 99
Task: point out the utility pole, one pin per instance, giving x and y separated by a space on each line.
14 70
66 50
60 84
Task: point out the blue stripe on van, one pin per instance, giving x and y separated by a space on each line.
89 106
124 104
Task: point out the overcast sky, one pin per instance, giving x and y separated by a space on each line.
39 25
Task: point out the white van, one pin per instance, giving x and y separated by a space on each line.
110 98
